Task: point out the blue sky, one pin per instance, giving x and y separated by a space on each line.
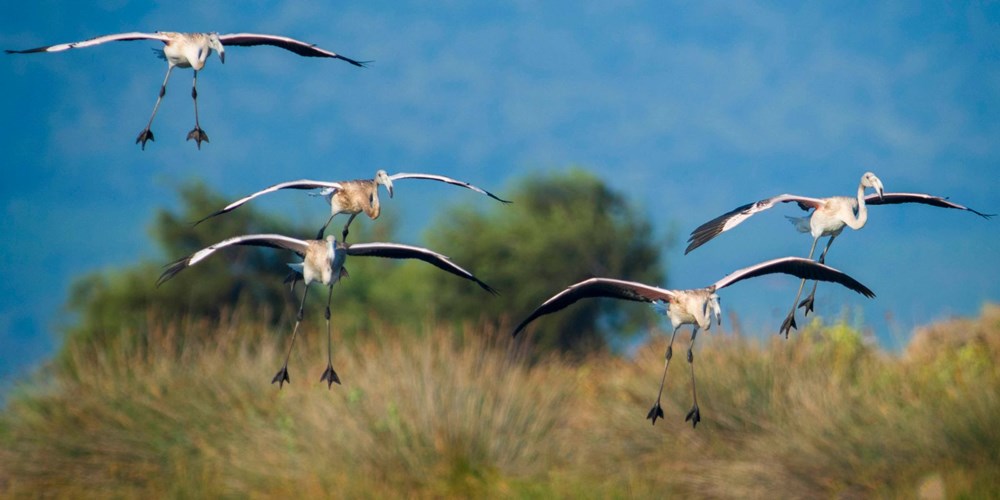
691 108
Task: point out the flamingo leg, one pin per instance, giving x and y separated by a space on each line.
322 231
196 133
330 376
789 322
807 303
282 376
147 134
349 221
656 411
694 415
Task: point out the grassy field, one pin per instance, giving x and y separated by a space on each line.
185 409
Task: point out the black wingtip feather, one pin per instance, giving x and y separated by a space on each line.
28 51
705 232
495 197
172 269
203 219
519 329
488 288
703 235
360 64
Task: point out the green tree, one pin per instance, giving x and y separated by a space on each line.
562 228
108 302
249 278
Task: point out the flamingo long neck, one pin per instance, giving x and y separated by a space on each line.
861 218
374 208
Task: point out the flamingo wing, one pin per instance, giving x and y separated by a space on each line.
798 267
595 288
400 251
926 199
705 232
290 44
117 37
299 184
449 180
261 240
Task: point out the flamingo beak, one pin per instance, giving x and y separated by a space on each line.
222 57
717 309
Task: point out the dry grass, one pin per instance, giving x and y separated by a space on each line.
186 409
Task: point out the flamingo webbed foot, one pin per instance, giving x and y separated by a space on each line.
807 304
329 376
694 416
198 135
788 324
655 412
144 136
281 377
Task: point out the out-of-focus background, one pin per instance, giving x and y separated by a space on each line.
616 130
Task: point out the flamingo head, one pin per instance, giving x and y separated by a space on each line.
214 43
870 180
331 247
713 307
381 177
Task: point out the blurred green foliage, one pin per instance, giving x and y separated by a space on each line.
562 228
110 301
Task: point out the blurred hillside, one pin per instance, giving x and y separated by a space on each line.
448 412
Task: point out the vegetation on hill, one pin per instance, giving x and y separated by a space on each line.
562 228
440 412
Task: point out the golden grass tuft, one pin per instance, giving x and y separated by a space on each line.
185 408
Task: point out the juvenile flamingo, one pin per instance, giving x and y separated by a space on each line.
688 307
191 50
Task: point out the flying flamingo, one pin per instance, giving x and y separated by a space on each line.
351 197
829 217
688 307
323 261
191 50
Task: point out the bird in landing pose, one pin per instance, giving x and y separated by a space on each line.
829 217
688 307
191 50
351 197
323 261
